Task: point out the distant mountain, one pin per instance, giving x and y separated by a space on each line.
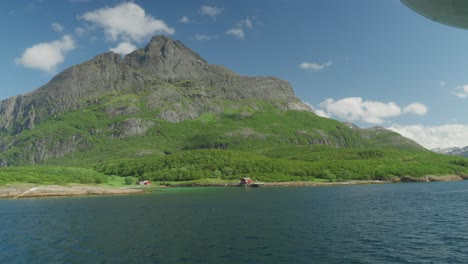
163 99
453 151
384 137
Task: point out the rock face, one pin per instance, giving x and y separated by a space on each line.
46 148
163 59
131 127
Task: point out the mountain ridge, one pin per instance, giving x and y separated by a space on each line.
452 151
162 59
161 99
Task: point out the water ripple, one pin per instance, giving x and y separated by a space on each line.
395 223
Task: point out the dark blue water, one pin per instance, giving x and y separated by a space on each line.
391 223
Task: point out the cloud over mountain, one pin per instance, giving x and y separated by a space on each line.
372 112
124 48
46 56
431 137
127 21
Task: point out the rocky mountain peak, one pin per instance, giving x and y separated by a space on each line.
162 59
162 46
165 58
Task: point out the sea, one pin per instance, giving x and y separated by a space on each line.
380 223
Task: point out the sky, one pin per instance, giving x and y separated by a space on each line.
372 63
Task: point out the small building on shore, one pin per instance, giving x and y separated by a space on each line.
245 181
146 182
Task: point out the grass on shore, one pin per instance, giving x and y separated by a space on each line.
51 175
200 182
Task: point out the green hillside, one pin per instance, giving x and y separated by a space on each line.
250 138
92 134
172 116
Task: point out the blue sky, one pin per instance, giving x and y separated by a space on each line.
364 61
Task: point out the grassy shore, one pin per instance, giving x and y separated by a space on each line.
216 182
117 186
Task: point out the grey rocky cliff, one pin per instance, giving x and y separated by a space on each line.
130 127
163 59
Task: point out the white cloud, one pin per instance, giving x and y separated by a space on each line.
124 48
56 27
321 113
372 112
354 108
315 66
46 56
247 23
461 91
443 84
415 108
432 137
239 31
236 32
184 20
211 11
127 21
202 37
79 31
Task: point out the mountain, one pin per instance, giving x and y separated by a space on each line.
162 60
383 137
453 151
165 99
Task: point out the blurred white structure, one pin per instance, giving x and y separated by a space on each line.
450 12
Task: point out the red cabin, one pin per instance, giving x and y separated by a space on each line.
246 181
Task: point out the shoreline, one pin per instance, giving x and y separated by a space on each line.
401 179
279 184
31 190
28 190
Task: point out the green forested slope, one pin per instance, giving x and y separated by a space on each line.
248 138
142 116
